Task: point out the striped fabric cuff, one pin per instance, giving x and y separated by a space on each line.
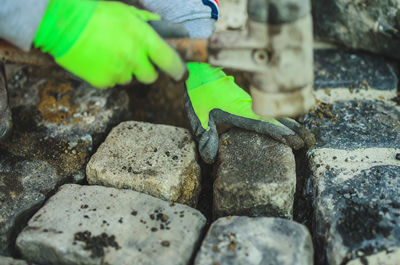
214 5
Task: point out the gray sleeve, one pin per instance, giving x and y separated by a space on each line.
192 14
19 20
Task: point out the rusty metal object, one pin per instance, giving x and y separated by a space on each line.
12 54
189 49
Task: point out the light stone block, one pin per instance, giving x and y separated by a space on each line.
101 225
158 160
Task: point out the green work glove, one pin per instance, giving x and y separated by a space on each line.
105 43
211 98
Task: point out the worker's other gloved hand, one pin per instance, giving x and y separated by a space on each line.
105 43
213 98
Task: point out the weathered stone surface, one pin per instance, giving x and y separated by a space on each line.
57 122
243 240
11 261
349 76
100 225
371 25
386 257
358 71
355 124
24 185
159 160
357 203
256 176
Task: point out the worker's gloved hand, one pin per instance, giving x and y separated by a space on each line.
213 98
105 43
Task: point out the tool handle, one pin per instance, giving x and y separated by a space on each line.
189 49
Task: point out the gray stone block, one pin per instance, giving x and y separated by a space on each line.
158 160
355 124
357 204
100 225
386 257
256 176
24 186
57 122
11 261
371 25
252 241
354 70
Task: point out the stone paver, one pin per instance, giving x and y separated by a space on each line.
159 160
100 225
357 207
355 173
260 240
57 122
386 257
356 75
256 176
11 261
355 124
370 25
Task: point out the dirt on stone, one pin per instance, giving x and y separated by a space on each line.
56 104
57 152
11 187
163 219
96 244
11 180
323 111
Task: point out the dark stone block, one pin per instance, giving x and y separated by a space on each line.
371 25
365 214
355 124
255 176
336 68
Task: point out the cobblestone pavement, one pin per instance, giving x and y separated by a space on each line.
101 177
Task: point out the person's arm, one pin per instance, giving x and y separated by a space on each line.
103 42
19 20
